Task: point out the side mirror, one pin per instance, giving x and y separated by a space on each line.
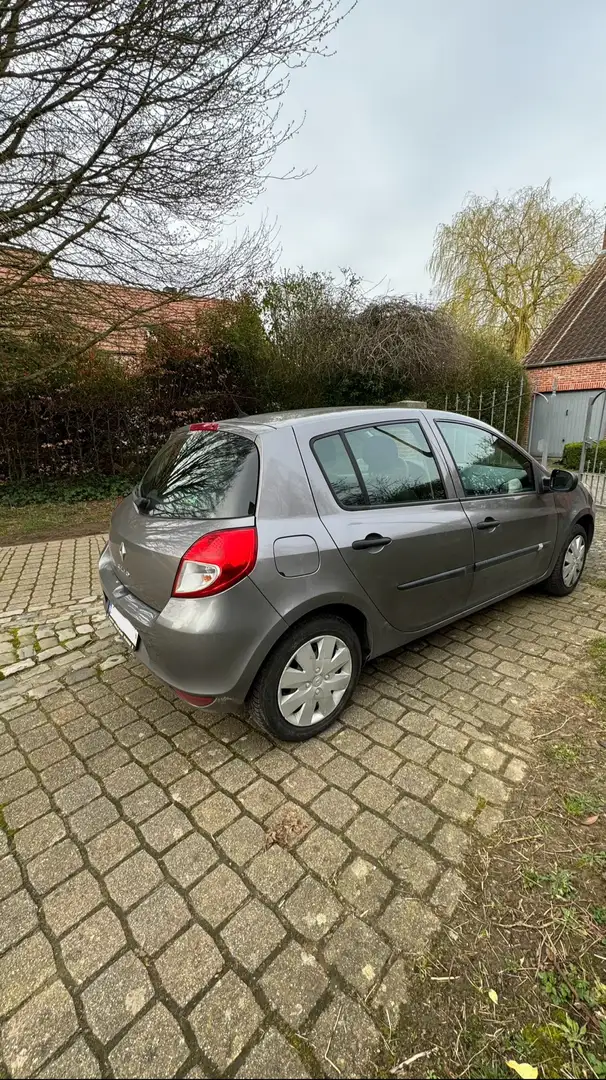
560 480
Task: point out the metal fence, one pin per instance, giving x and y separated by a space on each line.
596 482
504 407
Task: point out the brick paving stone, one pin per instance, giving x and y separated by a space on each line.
187 966
18 918
143 803
92 944
358 954
486 786
275 764
274 872
415 749
516 771
190 859
303 785
376 793
212 755
38 1029
312 909
153 1047
165 829
93 818
23 970
125 780
57 776
314 753
242 840
409 925
488 820
17 784
448 892
383 732
293 983
69 902
110 847
77 794
133 879
234 775
454 802
26 809
39 836
158 918
415 780
10 876
261 798
345 1039
323 852
344 772
411 864
218 895
225 1020
215 813
335 808
371 833
451 842
274 1057
108 761
350 742
191 789
252 934
77 1060
487 757
393 991
116 996
363 886
450 767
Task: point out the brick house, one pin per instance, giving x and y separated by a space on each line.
96 306
570 357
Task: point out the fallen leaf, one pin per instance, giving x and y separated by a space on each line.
591 820
492 994
523 1069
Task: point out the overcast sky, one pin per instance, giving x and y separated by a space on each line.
424 102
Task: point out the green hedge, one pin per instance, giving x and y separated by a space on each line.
571 457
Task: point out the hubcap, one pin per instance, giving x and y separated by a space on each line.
314 680
574 561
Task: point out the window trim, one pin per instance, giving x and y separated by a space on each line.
342 432
498 435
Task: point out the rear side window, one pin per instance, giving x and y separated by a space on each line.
201 474
383 465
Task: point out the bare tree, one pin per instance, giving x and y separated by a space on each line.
132 130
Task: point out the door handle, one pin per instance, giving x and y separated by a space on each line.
373 540
488 523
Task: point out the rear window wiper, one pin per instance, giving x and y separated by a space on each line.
145 503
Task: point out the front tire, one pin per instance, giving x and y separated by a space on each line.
567 571
308 679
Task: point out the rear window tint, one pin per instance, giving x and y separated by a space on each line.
201 474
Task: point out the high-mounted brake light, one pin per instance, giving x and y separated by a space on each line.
209 426
216 562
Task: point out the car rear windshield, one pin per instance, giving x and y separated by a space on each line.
201 474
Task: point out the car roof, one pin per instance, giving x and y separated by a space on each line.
351 416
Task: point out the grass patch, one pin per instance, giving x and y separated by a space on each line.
54 521
520 974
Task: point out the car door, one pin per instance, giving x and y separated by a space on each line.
514 524
396 521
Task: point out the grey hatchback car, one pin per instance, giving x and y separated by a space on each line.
261 560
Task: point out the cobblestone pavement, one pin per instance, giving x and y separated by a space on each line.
180 895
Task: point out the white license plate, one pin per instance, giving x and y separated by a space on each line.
125 627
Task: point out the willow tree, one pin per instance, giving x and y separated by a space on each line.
504 265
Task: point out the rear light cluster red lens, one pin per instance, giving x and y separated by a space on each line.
216 562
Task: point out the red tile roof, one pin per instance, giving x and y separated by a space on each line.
577 333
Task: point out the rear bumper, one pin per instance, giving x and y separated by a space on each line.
206 647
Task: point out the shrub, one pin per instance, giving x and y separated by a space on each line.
571 455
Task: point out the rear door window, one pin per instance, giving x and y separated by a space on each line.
201 474
382 465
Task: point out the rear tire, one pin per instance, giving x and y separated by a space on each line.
567 571
320 642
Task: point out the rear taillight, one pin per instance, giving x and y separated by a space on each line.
215 562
